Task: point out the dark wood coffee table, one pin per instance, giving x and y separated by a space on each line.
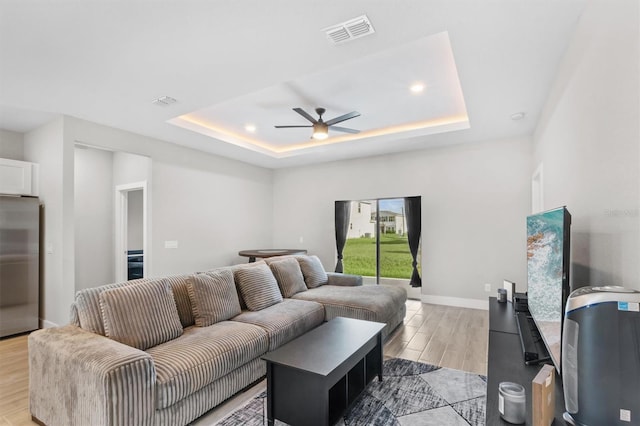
313 379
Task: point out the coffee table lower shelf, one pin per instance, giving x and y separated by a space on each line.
320 393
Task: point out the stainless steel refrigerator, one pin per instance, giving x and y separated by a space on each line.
19 264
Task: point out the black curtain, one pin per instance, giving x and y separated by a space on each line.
343 211
413 212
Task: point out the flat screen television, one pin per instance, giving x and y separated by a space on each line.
548 264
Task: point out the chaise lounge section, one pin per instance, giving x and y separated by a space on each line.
165 351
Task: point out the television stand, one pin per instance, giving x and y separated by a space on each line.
505 364
533 348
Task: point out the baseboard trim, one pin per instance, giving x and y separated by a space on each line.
48 324
459 302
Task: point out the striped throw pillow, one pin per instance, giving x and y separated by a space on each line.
213 297
258 286
313 271
289 276
141 315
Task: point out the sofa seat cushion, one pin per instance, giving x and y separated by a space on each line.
369 302
202 355
286 320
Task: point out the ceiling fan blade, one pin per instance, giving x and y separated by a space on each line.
305 114
352 114
344 129
288 127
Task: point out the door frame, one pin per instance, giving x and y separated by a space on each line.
537 190
121 213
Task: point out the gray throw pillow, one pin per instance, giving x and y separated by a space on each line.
213 297
141 315
289 276
258 286
313 271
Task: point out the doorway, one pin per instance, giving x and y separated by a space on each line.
537 194
131 249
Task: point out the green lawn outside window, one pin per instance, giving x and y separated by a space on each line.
395 257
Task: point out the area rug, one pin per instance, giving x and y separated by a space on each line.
411 393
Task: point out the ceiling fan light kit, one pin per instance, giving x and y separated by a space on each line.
321 127
320 131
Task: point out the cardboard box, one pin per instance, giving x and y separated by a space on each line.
543 396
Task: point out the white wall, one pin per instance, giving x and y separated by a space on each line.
46 146
11 145
588 141
214 207
130 168
94 217
475 199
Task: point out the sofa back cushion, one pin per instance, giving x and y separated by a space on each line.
213 297
313 271
236 268
180 289
289 276
141 315
258 286
87 304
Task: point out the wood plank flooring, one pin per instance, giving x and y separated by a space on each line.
441 335
14 382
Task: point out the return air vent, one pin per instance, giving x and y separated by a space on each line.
350 30
164 101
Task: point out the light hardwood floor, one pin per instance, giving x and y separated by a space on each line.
441 335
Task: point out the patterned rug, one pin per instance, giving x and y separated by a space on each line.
411 393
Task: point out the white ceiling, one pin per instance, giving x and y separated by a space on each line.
249 62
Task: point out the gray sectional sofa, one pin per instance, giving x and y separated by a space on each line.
165 351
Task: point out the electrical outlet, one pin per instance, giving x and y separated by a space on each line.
301 240
487 287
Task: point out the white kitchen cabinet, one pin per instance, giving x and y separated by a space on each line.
18 177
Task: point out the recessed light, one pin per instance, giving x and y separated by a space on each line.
517 116
417 88
251 128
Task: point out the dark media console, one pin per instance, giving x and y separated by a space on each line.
506 364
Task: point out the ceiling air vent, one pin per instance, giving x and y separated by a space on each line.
164 101
350 30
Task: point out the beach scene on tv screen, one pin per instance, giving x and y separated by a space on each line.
544 270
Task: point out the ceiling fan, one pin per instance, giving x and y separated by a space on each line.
320 127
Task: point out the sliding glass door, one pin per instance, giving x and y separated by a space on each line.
377 243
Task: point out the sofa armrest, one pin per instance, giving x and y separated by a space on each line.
344 280
81 378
